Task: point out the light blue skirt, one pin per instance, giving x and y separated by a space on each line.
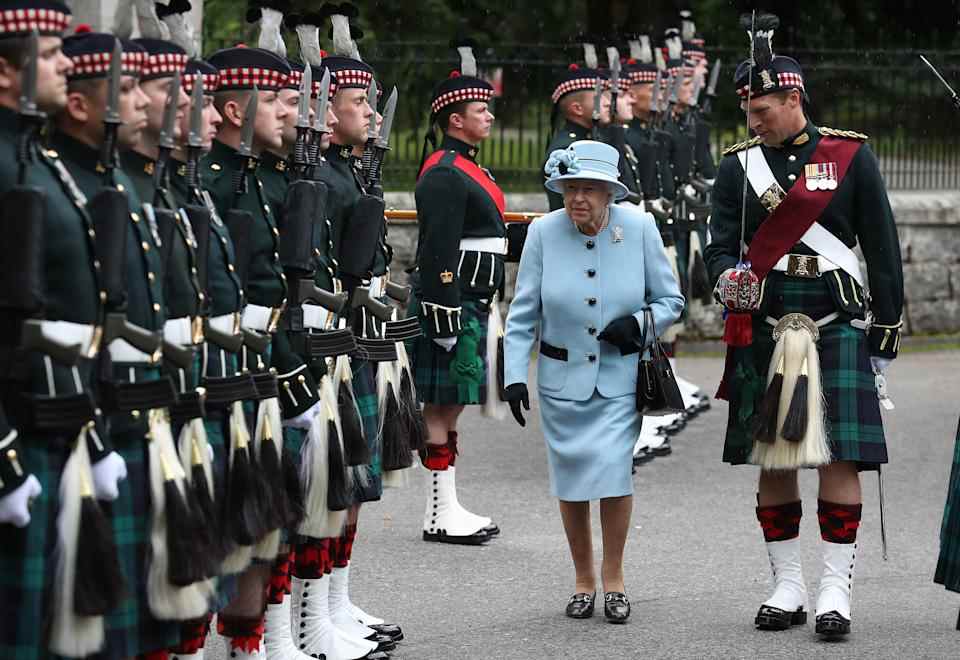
590 446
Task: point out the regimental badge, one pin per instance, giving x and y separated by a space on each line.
772 197
149 168
446 277
820 176
617 231
766 79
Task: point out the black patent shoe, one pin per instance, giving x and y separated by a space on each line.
676 426
643 456
664 449
703 404
580 606
377 655
773 618
616 607
389 629
384 642
491 530
477 538
832 624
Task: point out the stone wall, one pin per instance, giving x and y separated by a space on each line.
929 227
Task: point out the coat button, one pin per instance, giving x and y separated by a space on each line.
591 301
792 177
591 330
591 272
791 158
591 357
590 244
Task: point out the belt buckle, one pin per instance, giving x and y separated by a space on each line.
803 265
196 330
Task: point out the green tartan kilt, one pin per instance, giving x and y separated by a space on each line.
948 565
217 423
852 410
368 487
432 364
292 446
27 563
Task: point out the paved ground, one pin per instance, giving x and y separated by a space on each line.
695 564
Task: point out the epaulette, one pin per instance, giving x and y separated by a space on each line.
835 132
740 146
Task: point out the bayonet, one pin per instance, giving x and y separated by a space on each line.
697 87
389 111
300 157
711 88
655 98
614 59
373 132
31 118
597 105
953 94
320 119
167 142
194 138
111 115
245 149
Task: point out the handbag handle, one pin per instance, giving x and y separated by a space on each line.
655 347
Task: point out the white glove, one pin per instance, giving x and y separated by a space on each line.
15 507
446 342
879 364
304 420
107 474
689 190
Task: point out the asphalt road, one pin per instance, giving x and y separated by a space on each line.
695 562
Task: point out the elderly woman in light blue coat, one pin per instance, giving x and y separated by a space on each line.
587 273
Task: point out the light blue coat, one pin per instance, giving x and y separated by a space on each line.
553 293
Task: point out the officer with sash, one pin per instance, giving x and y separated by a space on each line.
577 108
52 314
800 328
458 280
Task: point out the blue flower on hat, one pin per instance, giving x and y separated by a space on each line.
561 162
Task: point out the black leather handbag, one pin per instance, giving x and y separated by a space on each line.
657 390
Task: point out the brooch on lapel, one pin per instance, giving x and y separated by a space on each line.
617 233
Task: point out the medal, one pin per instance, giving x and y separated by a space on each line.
820 176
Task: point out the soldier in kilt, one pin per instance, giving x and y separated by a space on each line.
800 325
458 279
331 624
46 402
147 620
948 565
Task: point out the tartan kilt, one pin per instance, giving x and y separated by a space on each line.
292 446
431 363
217 424
27 561
131 628
852 410
948 565
369 488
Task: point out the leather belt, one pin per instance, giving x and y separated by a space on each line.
494 244
224 391
329 344
260 318
189 405
56 414
88 336
266 385
184 331
809 266
376 350
122 352
553 352
402 330
145 395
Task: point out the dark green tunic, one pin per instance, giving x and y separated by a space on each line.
563 138
858 214
131 629
71 293
652 149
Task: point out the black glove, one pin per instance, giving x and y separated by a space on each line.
624 333
515 395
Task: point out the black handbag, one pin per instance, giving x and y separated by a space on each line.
657 390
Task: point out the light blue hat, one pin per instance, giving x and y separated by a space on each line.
585 159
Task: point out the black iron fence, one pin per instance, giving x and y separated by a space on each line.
889 95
